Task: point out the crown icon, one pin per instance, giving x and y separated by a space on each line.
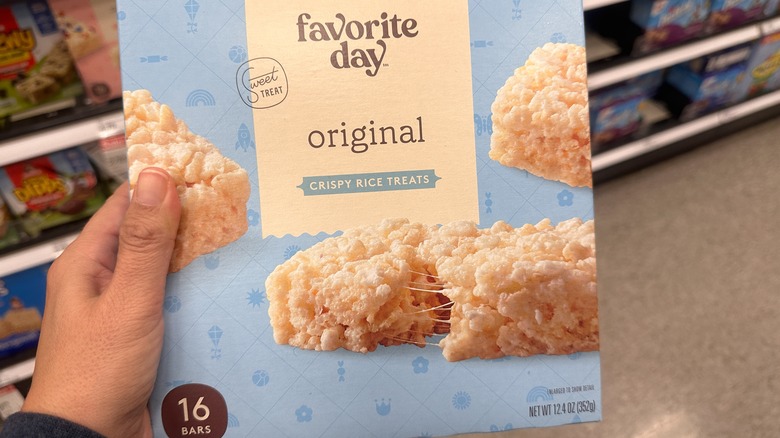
383 409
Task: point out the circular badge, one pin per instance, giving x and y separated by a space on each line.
194 410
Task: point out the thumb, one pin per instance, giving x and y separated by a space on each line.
146 239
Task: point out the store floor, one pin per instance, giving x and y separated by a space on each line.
689 286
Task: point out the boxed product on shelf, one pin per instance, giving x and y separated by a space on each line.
615 111
90 29
51 190
706 83
762 73
771 7
668 22
389 219
22 297
109 155
36 67
9 235
725 14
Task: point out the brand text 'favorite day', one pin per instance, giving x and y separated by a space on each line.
344 31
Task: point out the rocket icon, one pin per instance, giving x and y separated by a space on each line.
244 138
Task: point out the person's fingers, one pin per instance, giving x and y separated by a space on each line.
98 241
146 240
93 254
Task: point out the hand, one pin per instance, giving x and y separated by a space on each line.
102 327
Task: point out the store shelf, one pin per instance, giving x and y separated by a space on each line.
35 255
17 372
669 57
60 137
654 142
595 4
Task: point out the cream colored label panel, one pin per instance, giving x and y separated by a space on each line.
362 111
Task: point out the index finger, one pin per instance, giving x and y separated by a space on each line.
98 242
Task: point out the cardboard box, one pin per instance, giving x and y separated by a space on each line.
9 235
51 190
22 297
91 33
668 22
761 75
615 111
707 82
328 155
726 14
35 65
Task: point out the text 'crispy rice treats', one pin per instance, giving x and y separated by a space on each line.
518 292
356 291
540 116
213 189
496 292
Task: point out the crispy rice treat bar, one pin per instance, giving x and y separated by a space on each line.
496 292
540 116
213 189
518 292
355 291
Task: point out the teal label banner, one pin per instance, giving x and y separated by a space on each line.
368 182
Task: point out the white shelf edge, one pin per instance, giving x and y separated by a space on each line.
634 149
674 56
33 256
51 140
17 372
595 4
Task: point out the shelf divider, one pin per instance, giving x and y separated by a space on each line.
680 132
595 4
669 57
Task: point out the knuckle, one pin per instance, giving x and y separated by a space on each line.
143 233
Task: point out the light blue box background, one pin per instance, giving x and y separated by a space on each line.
186 53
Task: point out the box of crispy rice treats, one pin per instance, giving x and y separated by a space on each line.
388 216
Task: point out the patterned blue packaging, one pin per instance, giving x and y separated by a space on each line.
22 297
186 53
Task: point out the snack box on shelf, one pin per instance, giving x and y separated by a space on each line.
109 155
771 7
726 14
762 72
22 297
90 29
615 111
668 22
706 83
9 235
36 68
51 190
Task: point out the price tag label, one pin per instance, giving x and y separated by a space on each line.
770 26
728 115
194 410
649 144
111 125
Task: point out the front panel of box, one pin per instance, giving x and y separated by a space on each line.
388 224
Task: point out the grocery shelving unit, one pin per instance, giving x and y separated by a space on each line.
54 131
711 124
82 129
595 4
35 255
672 138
